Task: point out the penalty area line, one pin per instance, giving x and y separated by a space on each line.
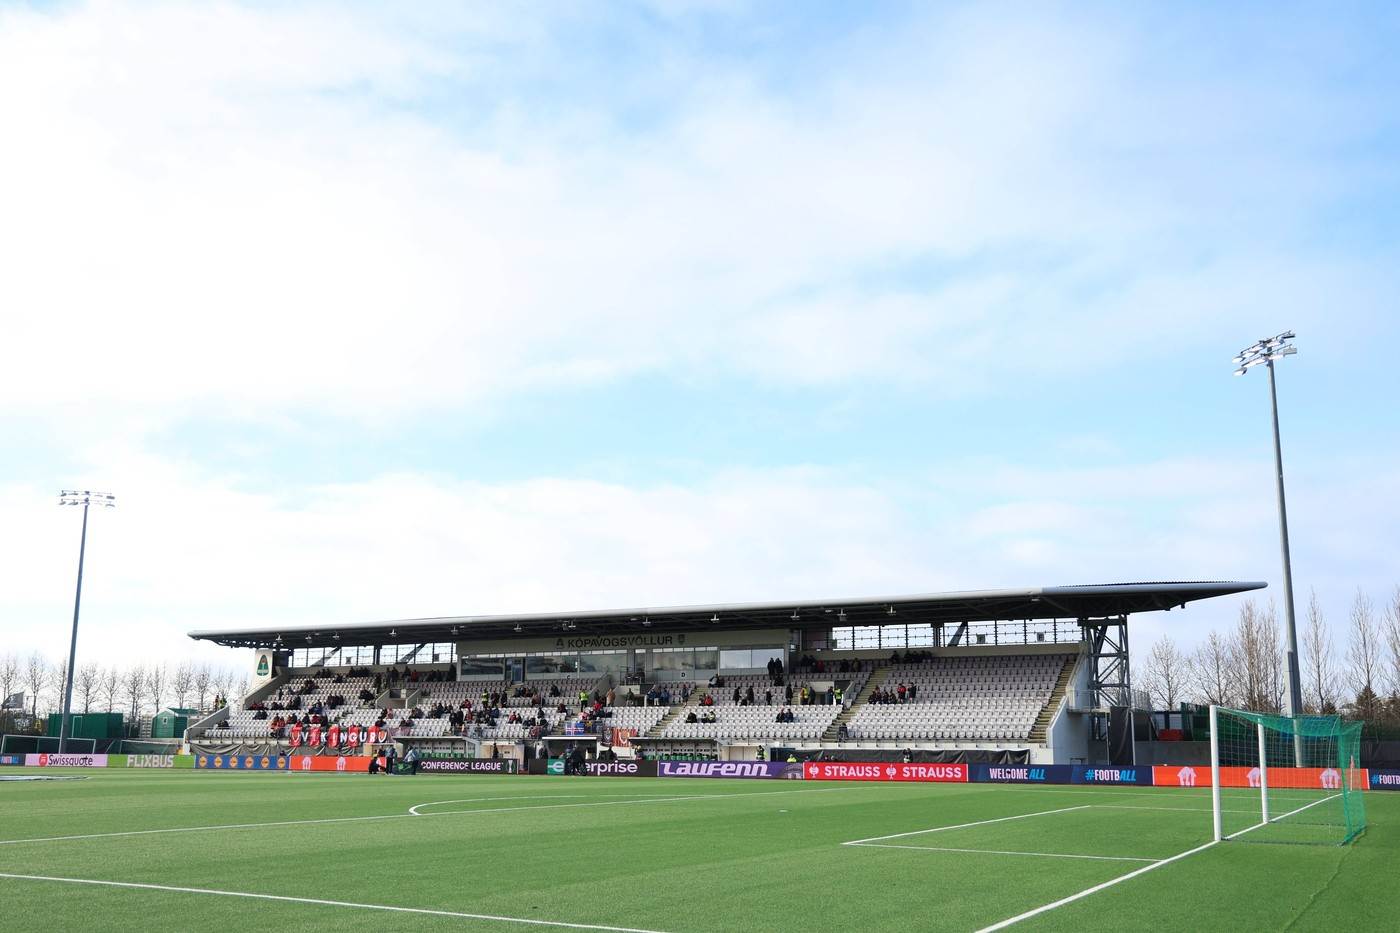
939 829
1096 858
426 911
1034 912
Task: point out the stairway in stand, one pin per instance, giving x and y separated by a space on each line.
670 717
877 679
1047 712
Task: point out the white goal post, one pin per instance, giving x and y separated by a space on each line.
1285 779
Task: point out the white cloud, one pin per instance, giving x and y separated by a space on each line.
272 211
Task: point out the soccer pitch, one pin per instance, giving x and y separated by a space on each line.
206 851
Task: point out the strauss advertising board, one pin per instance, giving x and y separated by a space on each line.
884 771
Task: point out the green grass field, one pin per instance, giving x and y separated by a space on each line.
660 855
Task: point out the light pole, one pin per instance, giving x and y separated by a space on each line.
1265 353
83 497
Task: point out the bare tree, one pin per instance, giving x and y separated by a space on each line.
36 677
157 680
134 690
9 676
1166 673
1364 659
1392 641
1319 663
86 684
58 683
202 679
223 681
109 687
1254 658
1213 672
182 682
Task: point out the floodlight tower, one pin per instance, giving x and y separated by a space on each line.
85 498
1265 353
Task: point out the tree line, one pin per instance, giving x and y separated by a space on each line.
133 691
1354 671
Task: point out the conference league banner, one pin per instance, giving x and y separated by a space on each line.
467 766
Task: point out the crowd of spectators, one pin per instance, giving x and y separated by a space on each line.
901 693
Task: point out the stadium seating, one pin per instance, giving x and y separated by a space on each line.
980 697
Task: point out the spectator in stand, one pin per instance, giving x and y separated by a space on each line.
768 698
902 691
748 696
913 692
831 695
691 717
736 694
787 694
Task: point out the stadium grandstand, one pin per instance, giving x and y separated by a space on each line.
1036 675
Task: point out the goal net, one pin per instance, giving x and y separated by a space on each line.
1285 779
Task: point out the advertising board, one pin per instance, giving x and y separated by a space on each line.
240 762
730 769
1021 774
11 759
1081 774
1384 780
621 768
884 771
341 763
55 760
1199 776
152 761
467 766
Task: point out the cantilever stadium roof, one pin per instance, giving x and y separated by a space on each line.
1093 601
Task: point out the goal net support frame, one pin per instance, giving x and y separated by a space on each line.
1285 779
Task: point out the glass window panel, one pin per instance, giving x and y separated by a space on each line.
706 659
480 667
552 664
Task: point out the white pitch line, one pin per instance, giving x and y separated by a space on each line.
939 829
1097 858
1132 874
1127 806
327 903
399 816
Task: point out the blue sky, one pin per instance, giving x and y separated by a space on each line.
370 312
